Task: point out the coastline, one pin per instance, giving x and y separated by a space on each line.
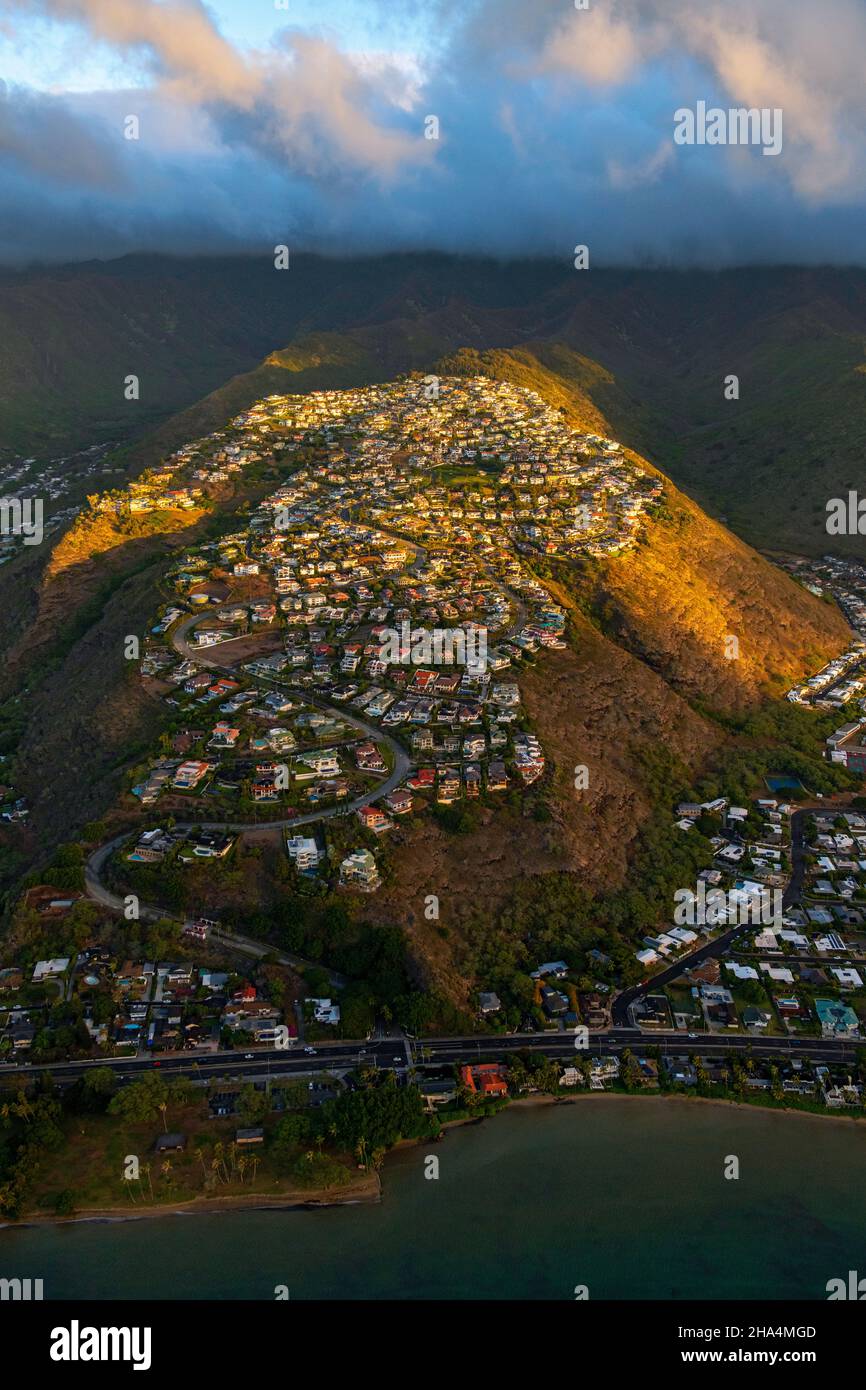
823 1116
363 1189
368 1188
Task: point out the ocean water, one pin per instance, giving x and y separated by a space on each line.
627 1197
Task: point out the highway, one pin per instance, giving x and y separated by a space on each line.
402 1055
615 1040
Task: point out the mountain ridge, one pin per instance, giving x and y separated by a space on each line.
767 463
673 677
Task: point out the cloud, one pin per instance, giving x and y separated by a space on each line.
792 54
302 100
647 170
178 39
39 133
556 128
601 45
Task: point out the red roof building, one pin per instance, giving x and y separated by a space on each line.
487 1079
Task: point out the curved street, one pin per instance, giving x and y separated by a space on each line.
621 1005
96 889
402 762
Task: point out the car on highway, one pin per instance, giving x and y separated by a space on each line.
311 1051
248 1056
691 1035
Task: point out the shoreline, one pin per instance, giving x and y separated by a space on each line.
823 1116
369 1188
366 1189
687 1100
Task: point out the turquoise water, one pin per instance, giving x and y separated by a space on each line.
625 1196
781 784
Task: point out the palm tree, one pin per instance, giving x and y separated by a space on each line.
219 1163
625 1068
22 1107
164 1109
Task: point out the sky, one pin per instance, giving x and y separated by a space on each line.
492 127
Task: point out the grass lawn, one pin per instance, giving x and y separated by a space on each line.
681 1002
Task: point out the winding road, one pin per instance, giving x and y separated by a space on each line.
245 945
95 864
621 1016
402 762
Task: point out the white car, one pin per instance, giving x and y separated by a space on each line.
311 1051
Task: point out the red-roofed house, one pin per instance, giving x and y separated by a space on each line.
486 1079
